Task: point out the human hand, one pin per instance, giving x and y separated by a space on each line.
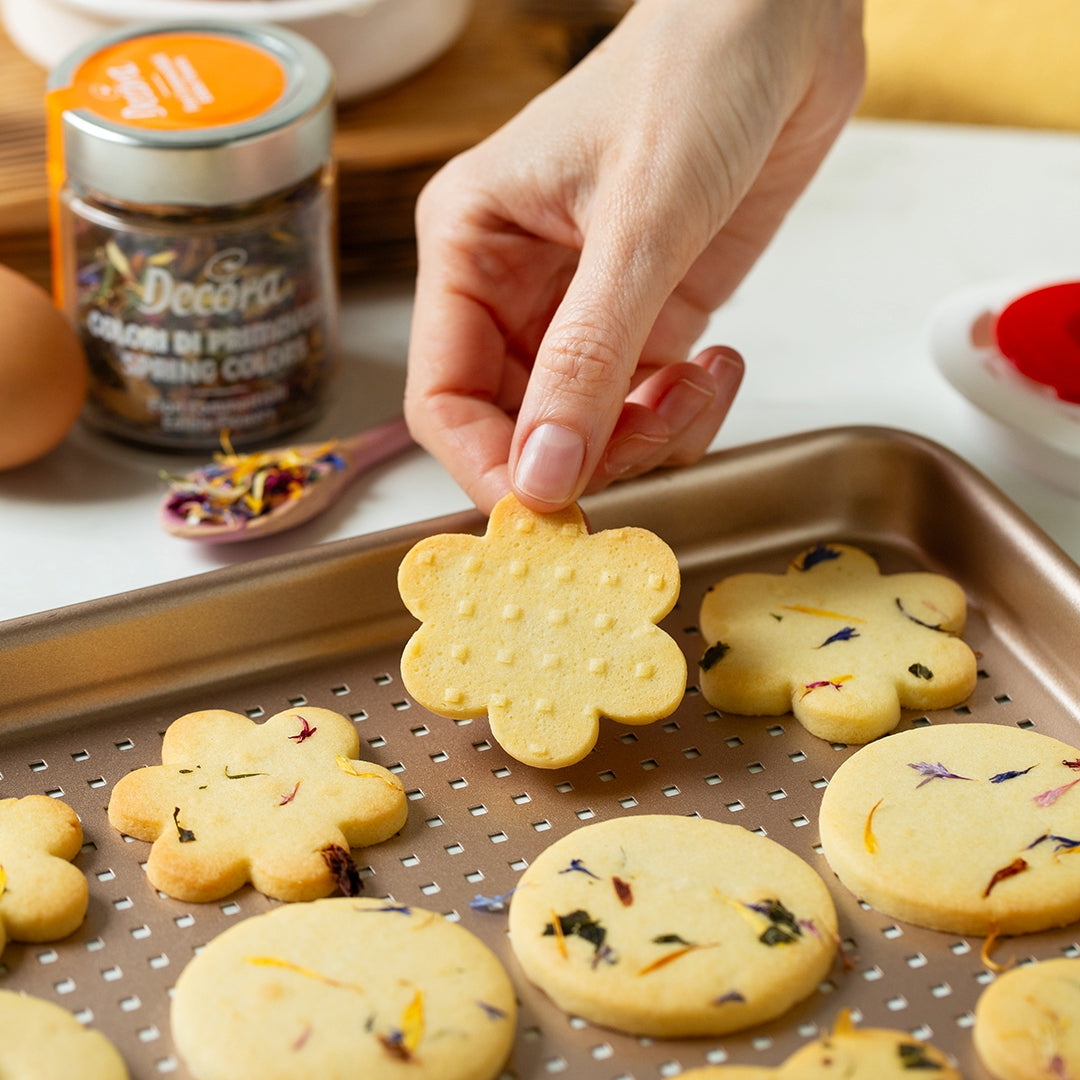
568 263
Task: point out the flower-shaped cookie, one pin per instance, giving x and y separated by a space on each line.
836 642
278 803
43 897
545 628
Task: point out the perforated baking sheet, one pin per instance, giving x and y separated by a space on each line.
86 693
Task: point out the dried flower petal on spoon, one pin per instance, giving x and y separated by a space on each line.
238 487
248 495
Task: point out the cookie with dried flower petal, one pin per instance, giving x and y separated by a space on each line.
43 1041
43 896
851 1053
836 642
279 803
344 987
966 827
544 627
1027 1022
846 1053
672 926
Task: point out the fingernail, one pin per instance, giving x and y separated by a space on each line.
725 367
628 453
683 401
550 464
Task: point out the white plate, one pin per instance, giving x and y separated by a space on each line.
1033 425
370 43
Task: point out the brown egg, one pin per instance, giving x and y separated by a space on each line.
43 372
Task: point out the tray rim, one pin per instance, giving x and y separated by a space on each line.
33 643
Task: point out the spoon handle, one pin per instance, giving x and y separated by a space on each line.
376 444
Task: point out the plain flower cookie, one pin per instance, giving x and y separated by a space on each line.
964 827
43 897
545 628
1027 1022
672 926
40 1040
277 803
836 642
344 988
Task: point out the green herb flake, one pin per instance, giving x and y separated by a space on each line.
241 775
582 924
713 655
185 835
784 928
914 1056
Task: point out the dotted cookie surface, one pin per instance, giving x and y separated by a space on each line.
277 803
544 628
834 641
672 926
964 827
342 988
43 896
1027 1022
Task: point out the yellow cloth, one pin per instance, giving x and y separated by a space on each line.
1008 62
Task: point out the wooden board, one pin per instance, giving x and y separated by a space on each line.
386 145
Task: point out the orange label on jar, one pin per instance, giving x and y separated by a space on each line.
177 80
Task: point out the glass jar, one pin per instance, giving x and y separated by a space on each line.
193 226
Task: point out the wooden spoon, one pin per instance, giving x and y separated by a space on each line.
234 497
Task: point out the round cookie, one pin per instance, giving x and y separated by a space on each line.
672 926
40 1040
1027 1022
866 1054
344 988
963 827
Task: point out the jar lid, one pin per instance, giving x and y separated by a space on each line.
191 114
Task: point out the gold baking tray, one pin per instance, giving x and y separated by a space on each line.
86 692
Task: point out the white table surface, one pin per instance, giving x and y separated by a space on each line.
832 322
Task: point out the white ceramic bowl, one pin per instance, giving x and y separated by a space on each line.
1028 422
370 43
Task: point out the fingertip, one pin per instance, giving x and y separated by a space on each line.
725 364
547 475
